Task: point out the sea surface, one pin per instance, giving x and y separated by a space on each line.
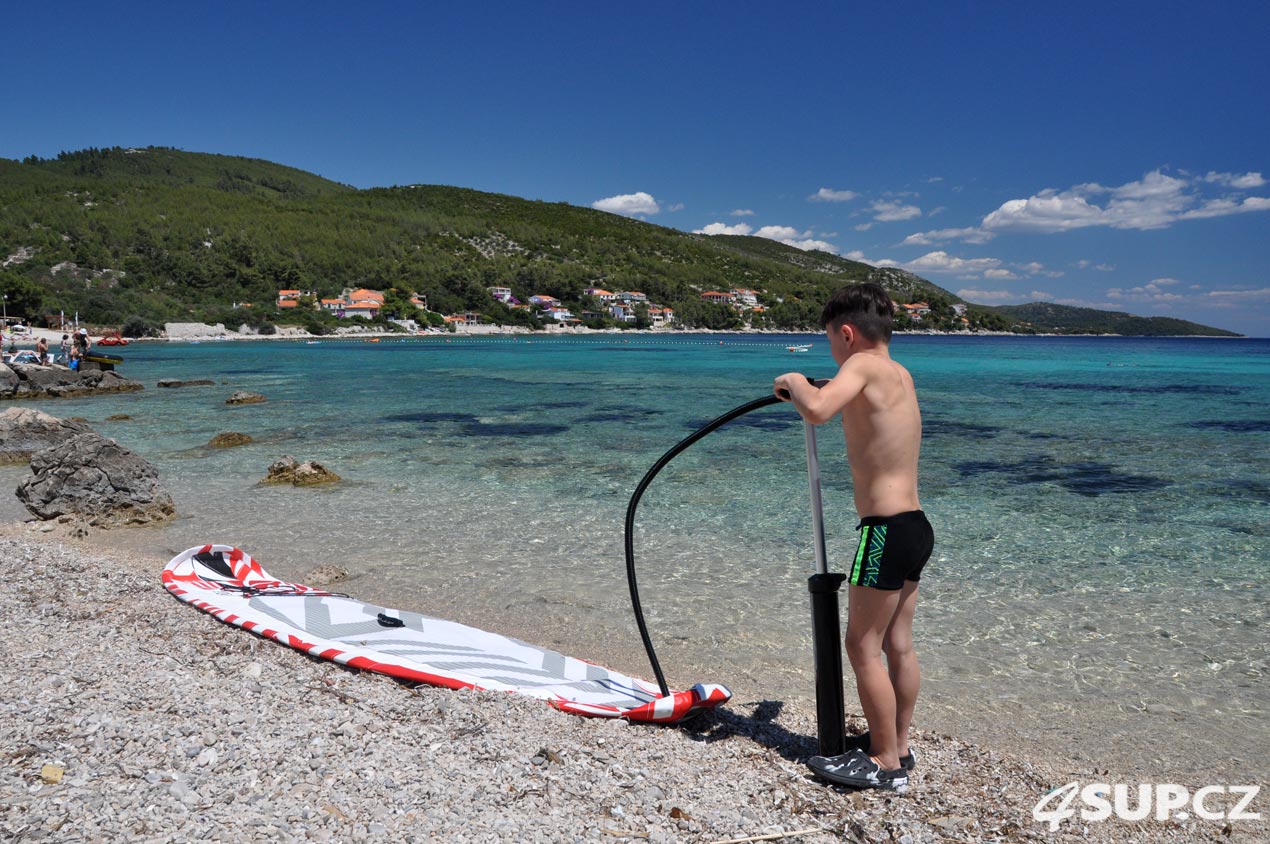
1101 505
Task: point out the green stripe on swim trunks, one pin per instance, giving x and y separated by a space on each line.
877 542
854 579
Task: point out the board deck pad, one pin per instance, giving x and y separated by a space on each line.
227 583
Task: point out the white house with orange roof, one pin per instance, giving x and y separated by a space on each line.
718 296
745 296
364 295
660 316
363 308
600 294
544 302
502 294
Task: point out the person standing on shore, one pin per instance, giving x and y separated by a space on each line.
66 347
883 429
42 350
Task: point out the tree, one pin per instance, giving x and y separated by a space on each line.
22 297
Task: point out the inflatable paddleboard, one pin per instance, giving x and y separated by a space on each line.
228 584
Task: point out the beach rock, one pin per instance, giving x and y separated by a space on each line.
288 470
176 382
97 479
59 382
117 417
325 575
245 397
229 439
24 431
8 381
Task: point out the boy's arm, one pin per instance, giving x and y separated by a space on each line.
819 404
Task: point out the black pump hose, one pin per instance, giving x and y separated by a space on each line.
630 518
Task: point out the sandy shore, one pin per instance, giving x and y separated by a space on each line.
128 716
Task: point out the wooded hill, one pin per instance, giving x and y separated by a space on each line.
145 236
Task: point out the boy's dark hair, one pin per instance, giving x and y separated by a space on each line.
868 307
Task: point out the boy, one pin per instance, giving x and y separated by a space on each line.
883 428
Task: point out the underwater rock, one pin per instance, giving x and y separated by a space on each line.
245 397
229 439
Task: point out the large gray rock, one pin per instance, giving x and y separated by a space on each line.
24 431
8 381
245 397
60 382
96 479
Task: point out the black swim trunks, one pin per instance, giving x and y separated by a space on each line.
892 549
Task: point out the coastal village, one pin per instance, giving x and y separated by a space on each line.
624 308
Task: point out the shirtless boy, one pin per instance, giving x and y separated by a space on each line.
883 427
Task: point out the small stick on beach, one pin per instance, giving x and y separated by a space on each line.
775 836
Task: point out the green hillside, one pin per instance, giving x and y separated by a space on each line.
152 235
1061 319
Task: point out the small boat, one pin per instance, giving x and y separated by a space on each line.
798 348
98 360
312 342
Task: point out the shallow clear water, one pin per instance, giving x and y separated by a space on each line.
1100 508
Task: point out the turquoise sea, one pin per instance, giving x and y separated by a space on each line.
1101 506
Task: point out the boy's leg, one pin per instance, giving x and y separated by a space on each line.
901 663
869 614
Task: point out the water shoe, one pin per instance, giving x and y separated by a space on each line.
861 742
857 769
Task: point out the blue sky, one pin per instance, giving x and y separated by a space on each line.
1115 155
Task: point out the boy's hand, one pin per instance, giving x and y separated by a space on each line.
781 385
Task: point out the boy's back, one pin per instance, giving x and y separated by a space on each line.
883 427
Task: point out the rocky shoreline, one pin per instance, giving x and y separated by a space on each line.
31 381
131 717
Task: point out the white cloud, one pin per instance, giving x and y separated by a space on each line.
889 211
742 212
1152 291
933 179
942 262
1226 207
941 209
999 273
1155 201
864 227
724 228
678 206
1245 181
791 236
971 294
629 204
1105 268
1261 295
831 195
780 232
857 255
966 235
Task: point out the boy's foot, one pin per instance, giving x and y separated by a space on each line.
862 742
858 770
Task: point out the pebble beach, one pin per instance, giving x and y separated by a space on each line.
127 716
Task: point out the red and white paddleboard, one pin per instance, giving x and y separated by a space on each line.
230 585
